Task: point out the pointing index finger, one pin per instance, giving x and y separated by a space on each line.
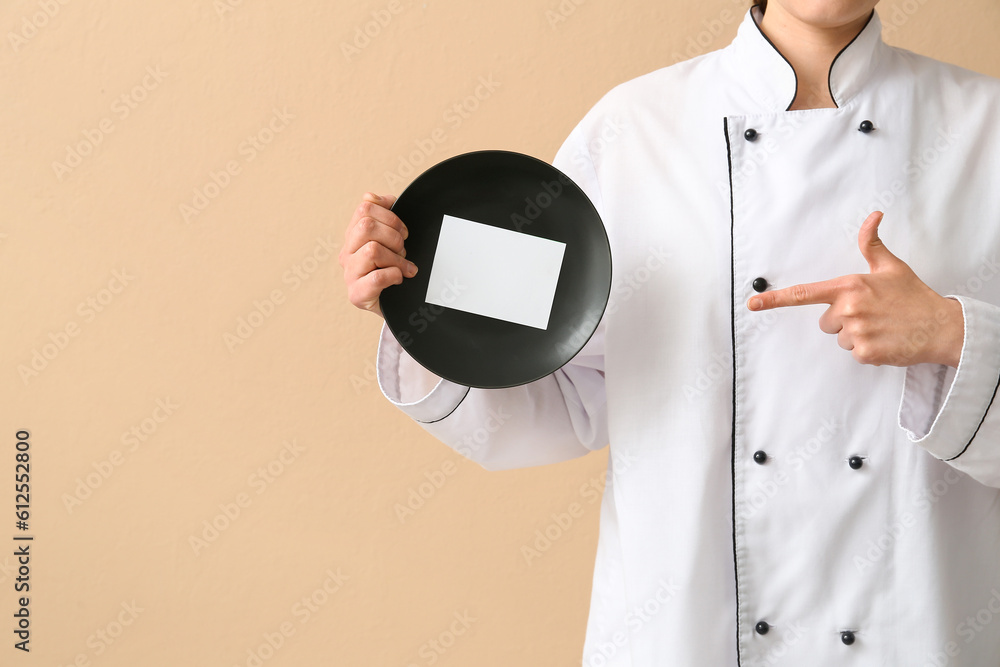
797 295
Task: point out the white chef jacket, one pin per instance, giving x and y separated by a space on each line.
895 561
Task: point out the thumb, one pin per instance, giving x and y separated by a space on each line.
872 248
385 201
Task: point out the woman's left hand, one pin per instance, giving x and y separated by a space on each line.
886 317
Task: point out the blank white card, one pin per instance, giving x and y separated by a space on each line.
495 272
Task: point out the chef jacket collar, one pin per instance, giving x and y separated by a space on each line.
771 79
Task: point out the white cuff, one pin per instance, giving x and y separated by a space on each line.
405 383
942 409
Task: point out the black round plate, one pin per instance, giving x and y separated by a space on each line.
522 194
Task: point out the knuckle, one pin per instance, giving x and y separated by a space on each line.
371 250
384 278
375 281
856 284
864 353
799 293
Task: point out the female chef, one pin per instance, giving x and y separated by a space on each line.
813 495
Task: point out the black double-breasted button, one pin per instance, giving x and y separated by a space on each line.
750 135
856 462
759 284
762 627
760 457
847 637
866 126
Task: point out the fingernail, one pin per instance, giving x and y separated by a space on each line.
406 233
374 196
755 303
411 269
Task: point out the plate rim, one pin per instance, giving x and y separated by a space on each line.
607 248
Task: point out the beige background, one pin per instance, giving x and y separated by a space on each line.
169 276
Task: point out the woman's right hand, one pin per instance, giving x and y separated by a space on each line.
373 256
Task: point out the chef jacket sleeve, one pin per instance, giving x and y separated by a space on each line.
955 415
559 417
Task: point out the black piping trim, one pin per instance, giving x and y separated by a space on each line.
435 421
980 423
829 76
732 262
768 40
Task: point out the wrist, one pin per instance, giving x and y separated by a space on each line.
950 338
